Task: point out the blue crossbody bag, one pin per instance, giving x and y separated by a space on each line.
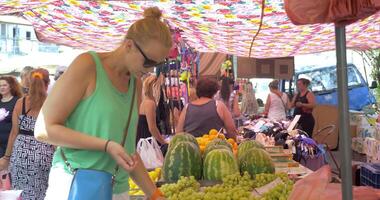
90 184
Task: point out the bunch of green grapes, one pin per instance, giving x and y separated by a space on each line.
220 192
187 194
280 192
238 180
188 184
234 187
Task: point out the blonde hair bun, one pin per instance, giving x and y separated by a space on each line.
153 12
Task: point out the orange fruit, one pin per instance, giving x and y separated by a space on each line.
231 141
213 132
212 137
221 136
202 148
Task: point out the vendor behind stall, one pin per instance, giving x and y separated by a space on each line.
304 103
205 113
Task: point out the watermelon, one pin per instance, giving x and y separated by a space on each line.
256 161
209 148
184 159
219 141
247 145
182 137
218 164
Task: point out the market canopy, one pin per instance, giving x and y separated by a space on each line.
225 26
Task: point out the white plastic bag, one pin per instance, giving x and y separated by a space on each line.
10 195
150 153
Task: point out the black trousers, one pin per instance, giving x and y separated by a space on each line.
306 123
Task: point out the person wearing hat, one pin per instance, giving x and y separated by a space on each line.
304 103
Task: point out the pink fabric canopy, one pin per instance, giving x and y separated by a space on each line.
208 25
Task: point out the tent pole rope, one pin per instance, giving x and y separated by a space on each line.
260 25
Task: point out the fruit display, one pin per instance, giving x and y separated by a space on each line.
216 143
256 161
234 187
179 137
247 145
182 159
219 163
135 190
211 136
209 148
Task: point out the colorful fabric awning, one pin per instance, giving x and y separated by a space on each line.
225 26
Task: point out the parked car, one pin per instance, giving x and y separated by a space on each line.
324 86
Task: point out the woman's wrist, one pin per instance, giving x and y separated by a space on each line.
5 157
106 145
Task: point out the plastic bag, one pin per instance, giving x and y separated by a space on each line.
150 153
10 195
317 186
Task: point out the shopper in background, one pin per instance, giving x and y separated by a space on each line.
228 96
29 160
10 92
304 103
25 78
147 125
58 73
277 103
87 110
249 104
205 113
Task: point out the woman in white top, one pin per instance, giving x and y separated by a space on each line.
277 103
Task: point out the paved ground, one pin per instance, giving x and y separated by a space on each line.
356 157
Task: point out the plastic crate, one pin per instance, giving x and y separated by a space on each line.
370 175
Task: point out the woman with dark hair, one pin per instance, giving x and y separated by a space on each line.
229 97
10 92
29 160
205 113
304 103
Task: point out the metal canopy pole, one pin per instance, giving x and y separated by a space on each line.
345 136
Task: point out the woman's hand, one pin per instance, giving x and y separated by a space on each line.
298 104
4 163
121 157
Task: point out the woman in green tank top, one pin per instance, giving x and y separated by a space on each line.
86 111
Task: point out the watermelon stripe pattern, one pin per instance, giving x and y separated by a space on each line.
184 159
246 146
218 164
179 137
256 161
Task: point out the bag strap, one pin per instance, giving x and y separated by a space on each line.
127 125
283 103
125 131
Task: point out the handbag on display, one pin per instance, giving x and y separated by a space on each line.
90 184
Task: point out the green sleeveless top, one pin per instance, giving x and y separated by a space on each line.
104 115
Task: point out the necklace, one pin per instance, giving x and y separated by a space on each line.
6 99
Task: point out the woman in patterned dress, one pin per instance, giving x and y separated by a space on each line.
29 160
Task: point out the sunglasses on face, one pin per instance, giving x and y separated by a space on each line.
148 63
